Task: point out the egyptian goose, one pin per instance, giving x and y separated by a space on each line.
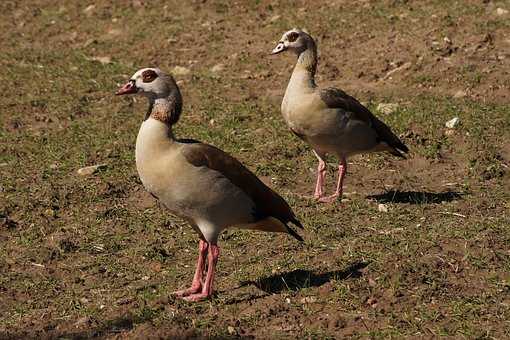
200 183
328 119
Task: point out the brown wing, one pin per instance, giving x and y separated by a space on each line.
268 203
336 98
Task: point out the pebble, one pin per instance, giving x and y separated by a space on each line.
460 94
452 123
309 299
89 9
102 60
217 68
501 11
181 71
387 108
114 32
90 170
382 207
275 18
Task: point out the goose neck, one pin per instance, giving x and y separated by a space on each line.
166 109
306 67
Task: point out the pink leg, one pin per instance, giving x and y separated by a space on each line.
196 285
207 289
342 169
321 174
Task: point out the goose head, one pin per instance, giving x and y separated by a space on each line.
150 82
295 40
165 100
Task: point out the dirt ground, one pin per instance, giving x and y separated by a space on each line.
417 248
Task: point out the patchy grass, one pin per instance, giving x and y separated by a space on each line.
95 256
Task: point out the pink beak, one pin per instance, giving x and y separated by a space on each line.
128 88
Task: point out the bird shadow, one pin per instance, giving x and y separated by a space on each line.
300 278
416 197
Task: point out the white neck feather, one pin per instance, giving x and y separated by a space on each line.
154 137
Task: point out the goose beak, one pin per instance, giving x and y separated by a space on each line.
127 88
279 48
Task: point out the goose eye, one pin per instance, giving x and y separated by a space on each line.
148 76
292 37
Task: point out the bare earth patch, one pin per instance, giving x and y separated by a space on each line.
95 256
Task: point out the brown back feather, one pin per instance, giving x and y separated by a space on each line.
336 98
268 203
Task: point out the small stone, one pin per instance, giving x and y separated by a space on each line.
89 9
73 35
275 18
231 330
382 207
103 60
181 71
309 299
387 108
114 32
501 11
90 170
217 68
452 123
460 94
287 300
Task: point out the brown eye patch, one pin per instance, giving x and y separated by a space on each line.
148 76
292 36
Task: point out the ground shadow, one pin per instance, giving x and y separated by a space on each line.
416 197
107 329
114 326
299 279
